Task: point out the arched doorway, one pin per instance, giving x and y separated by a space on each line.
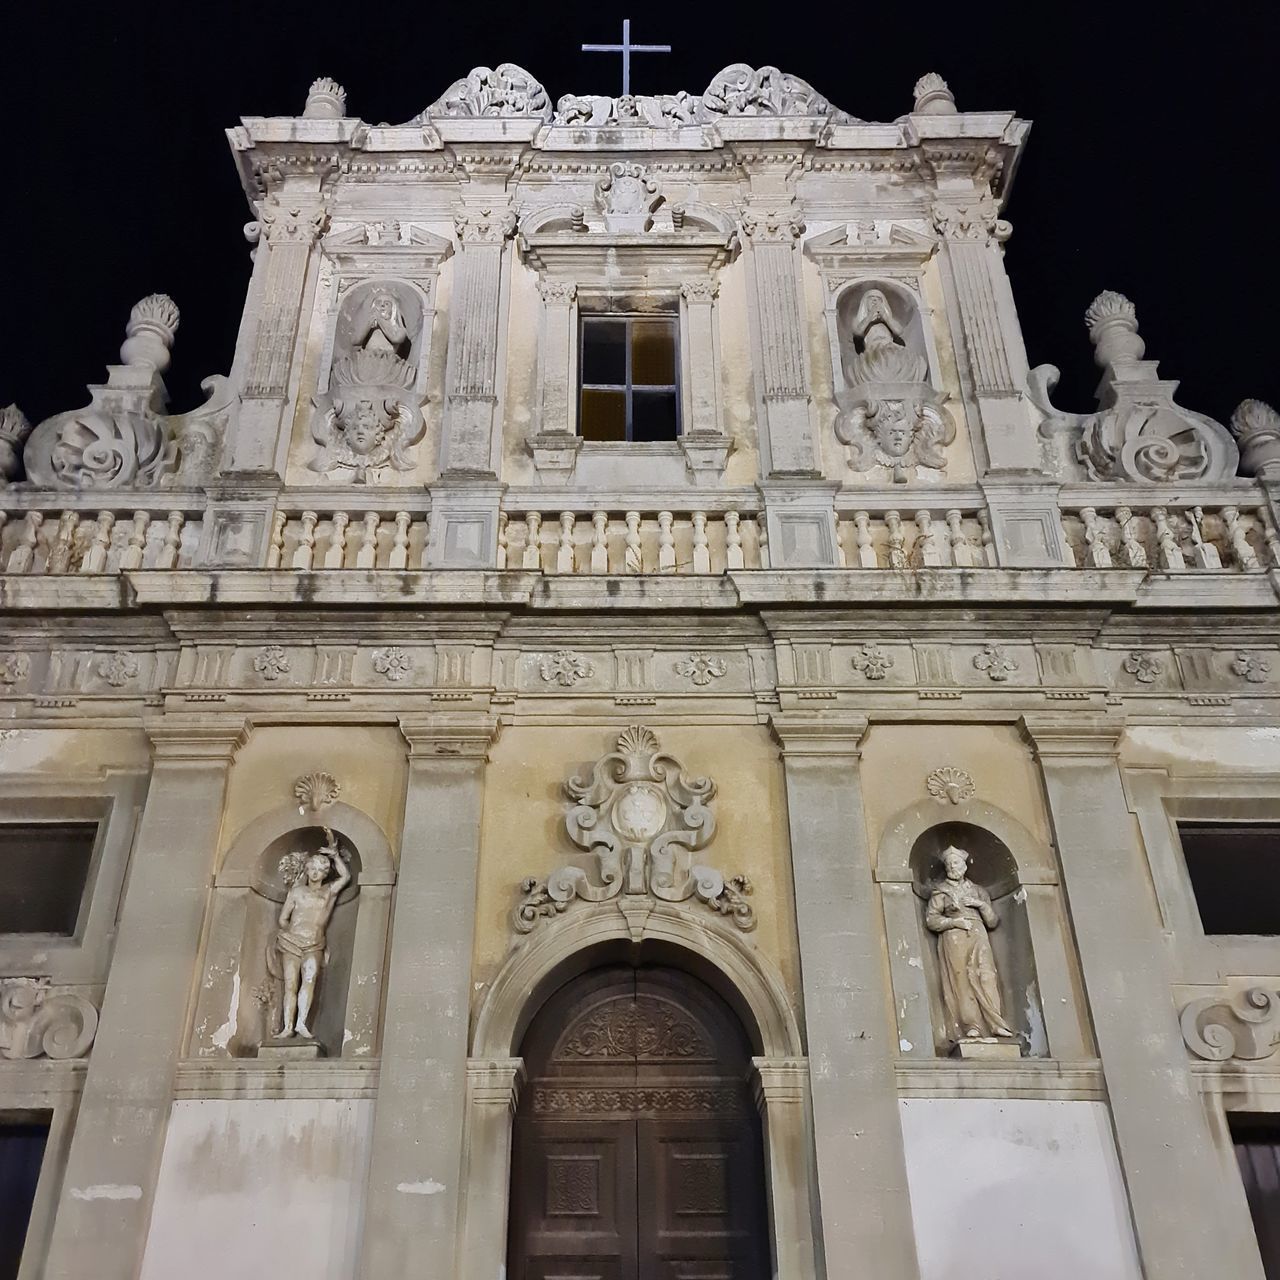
637 1151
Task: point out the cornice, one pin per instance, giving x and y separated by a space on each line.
453 735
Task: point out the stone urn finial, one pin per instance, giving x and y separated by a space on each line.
933 97
1256 427
14 430
149 333
326 100
1113 330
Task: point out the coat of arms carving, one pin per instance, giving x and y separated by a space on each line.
639 818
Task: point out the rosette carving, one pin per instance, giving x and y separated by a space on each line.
638 818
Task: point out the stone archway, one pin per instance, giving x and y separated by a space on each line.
732 968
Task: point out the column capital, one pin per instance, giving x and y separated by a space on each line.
780 1082
822 734
496 1081
1056 737
455 735
208 737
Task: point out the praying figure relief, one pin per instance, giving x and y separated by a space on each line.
297 953
961 914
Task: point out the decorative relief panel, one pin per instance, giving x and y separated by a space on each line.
1245 1025
36 1021
639 818
641 1028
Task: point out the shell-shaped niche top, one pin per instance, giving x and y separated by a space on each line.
739 90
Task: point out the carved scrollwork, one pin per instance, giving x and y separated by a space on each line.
35 1020
507 90
1245 1026
741 90
643 1028
639 818
14 430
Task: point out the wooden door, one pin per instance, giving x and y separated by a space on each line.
637 1151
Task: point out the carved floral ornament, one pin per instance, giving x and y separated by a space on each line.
35 1020
639 818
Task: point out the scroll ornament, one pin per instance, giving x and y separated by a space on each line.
1138 433
1245 1026
35 1020
639 818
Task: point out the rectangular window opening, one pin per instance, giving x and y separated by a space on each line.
44 868
1256 1139
23 1137
1233 868
629 389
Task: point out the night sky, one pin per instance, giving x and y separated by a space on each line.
1152 167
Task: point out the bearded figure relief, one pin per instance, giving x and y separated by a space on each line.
890 415
371 416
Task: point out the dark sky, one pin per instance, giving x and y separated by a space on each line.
1152 167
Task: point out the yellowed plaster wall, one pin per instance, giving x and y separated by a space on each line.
367 760
70 752
523 828
1193 749
523 390
897 758
736 376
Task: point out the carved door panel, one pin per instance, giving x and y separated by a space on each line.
637 1151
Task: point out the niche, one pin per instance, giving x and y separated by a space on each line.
994 869
377 338
881 335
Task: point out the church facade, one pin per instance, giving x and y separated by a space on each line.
630 737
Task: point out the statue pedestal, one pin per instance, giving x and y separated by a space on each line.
988 1050
294 1049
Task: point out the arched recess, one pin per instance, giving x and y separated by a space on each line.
561 950
232 991
1026 870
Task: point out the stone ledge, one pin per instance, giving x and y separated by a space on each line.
1042 1078
255 1078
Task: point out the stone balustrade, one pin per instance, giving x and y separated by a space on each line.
919 538
1172 537
34 540
316 539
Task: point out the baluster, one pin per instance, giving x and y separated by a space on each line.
762 540
532 540
63 542
1270 535
367 556
842 556
701 545
565 560
865 541
335 554
95 558
928 552
168 557
897 540
1205 554
600 542
275 549
306 550
666 543
131 557
1244 554
1095 539
989 556
399 558
22 558
424 561
4 520
963 552
1132 552
634 562
502 539
1171 556
732 541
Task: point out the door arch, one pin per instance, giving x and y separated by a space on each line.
637 1149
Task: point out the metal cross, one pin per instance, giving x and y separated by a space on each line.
626 48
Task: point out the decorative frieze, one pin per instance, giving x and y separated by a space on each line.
701 668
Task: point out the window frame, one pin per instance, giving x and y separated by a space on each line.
92 861
675 389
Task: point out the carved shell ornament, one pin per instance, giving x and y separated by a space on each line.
639 818
314 791
950 785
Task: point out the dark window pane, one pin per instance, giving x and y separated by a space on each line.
1257 1143
604 415
1233 868
22 1144
604 351
43 869
653 353
653 415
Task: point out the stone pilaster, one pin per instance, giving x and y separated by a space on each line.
556 444
493 1089
101 1223
468 443
703 439
289 227
862 1173
1166 1150
417 1163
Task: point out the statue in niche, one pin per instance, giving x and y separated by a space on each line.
297 954
383 342
961 914
890 415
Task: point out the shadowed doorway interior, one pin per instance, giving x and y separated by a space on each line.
637 1150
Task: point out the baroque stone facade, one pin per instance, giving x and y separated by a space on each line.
871 694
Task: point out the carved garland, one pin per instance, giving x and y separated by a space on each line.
639 817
